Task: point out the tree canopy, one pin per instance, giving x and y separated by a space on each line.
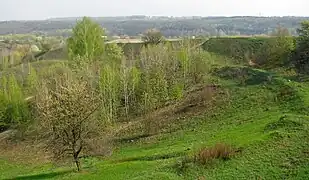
86 40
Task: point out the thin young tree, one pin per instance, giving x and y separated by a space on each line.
66 108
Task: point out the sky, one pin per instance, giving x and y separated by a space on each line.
44 9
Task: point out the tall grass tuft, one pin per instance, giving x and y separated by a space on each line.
219 151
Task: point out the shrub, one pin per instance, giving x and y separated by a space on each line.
219 151
301 55
278 49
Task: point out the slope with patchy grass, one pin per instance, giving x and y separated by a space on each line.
262 114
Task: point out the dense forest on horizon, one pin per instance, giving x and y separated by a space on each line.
169 26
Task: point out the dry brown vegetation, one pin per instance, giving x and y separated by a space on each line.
28 151
219 151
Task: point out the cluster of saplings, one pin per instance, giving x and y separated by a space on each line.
70 105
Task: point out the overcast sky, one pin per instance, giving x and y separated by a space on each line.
43 9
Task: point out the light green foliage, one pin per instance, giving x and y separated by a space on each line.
199 66
113 52
3 103
177 91
4 62
131 97
86 41
110 87
130 80
162 73
13 107
161 86
166 72
135 78
184 61
124 79
154 83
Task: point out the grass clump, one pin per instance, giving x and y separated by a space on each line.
219 151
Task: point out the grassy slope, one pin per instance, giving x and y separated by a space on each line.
272 149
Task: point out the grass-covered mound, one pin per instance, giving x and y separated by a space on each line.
244 49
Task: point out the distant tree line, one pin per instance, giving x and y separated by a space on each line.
169 26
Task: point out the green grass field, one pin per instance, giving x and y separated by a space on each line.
267 119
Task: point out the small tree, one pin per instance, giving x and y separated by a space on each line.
87 40
152 36
66 110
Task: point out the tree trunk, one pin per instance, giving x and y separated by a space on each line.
77 163
75 156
